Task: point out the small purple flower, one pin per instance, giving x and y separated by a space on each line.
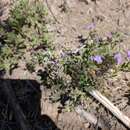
98 59
128 54
109 35
118 58
91 26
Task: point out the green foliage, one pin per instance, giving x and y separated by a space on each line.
25 31
106 48
125 67
83 70
41 57
71 77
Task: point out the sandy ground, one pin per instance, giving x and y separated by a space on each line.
69 19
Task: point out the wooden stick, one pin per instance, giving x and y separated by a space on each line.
114 110
19 115
88 116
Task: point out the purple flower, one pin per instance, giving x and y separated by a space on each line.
97 58
109 35
128 54
118 58
91 26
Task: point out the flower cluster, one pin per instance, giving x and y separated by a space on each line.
117 57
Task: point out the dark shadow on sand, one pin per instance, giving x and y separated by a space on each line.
28 95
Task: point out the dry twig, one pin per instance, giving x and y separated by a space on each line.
114 110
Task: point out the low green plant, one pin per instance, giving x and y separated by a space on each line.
84 70
125 67
96 59
24 32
